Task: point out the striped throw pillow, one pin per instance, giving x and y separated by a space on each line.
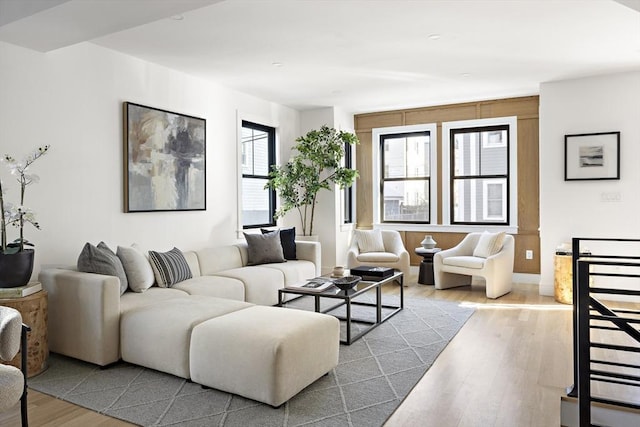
169 267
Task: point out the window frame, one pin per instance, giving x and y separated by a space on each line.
478 176
378 165
511 224
348 214
271 155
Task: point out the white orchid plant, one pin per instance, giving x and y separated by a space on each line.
18 215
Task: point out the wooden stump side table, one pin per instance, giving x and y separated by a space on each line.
33 309
425 277
563 279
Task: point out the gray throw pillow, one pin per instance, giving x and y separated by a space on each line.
264 248
102 260
288 241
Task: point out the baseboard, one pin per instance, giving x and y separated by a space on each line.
527 278
601 414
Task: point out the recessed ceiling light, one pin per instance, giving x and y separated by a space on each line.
466 74
177 17
276 64
434 36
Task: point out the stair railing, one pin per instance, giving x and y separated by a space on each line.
590 313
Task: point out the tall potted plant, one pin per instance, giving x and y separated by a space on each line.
316 165
16 262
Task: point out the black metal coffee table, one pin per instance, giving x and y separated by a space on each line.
347 298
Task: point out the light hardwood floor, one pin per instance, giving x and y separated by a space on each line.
508 366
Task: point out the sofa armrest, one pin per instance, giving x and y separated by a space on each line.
464 248
84 315
310 251
396 246
503 260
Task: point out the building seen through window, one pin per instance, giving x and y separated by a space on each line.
480 175
406 177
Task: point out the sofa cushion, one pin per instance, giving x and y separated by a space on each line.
288 241
264 248
194 265
374 257
271 363
169 267
219 258
101 260
261 283
294 271
158 335
213 286
137 268
464 261
489 244
133 300
369 240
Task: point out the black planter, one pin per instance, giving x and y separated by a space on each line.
16 269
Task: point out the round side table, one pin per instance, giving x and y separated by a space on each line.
425 277
33 309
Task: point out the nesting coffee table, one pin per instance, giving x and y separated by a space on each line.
347 299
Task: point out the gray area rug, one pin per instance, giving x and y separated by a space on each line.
374 375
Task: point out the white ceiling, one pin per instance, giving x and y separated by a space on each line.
361 55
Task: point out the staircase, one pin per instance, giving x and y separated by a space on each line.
606 339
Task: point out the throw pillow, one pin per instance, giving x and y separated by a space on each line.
101 260
169 267
264 248
489 244
288 241
369 240
137 268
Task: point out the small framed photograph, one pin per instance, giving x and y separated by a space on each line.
592 156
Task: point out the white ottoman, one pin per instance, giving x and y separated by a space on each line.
267 354
157 335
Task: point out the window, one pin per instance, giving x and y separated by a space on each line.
479 175
258 155
406 177
348 192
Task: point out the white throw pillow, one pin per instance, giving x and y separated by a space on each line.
489 244
137 268
369 240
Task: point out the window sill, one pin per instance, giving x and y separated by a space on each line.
441 228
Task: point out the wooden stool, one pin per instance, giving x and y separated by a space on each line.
33 309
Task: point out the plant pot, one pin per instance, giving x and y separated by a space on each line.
313 238
16 269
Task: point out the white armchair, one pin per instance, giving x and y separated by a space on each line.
13 381
393 254
456 266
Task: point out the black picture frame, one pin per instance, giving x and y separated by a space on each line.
592 156
164 160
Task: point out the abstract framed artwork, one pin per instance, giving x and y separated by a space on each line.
592 156
164 160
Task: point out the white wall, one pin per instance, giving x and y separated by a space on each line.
574 208
72 99
333 235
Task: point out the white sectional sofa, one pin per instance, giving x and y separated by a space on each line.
222 314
